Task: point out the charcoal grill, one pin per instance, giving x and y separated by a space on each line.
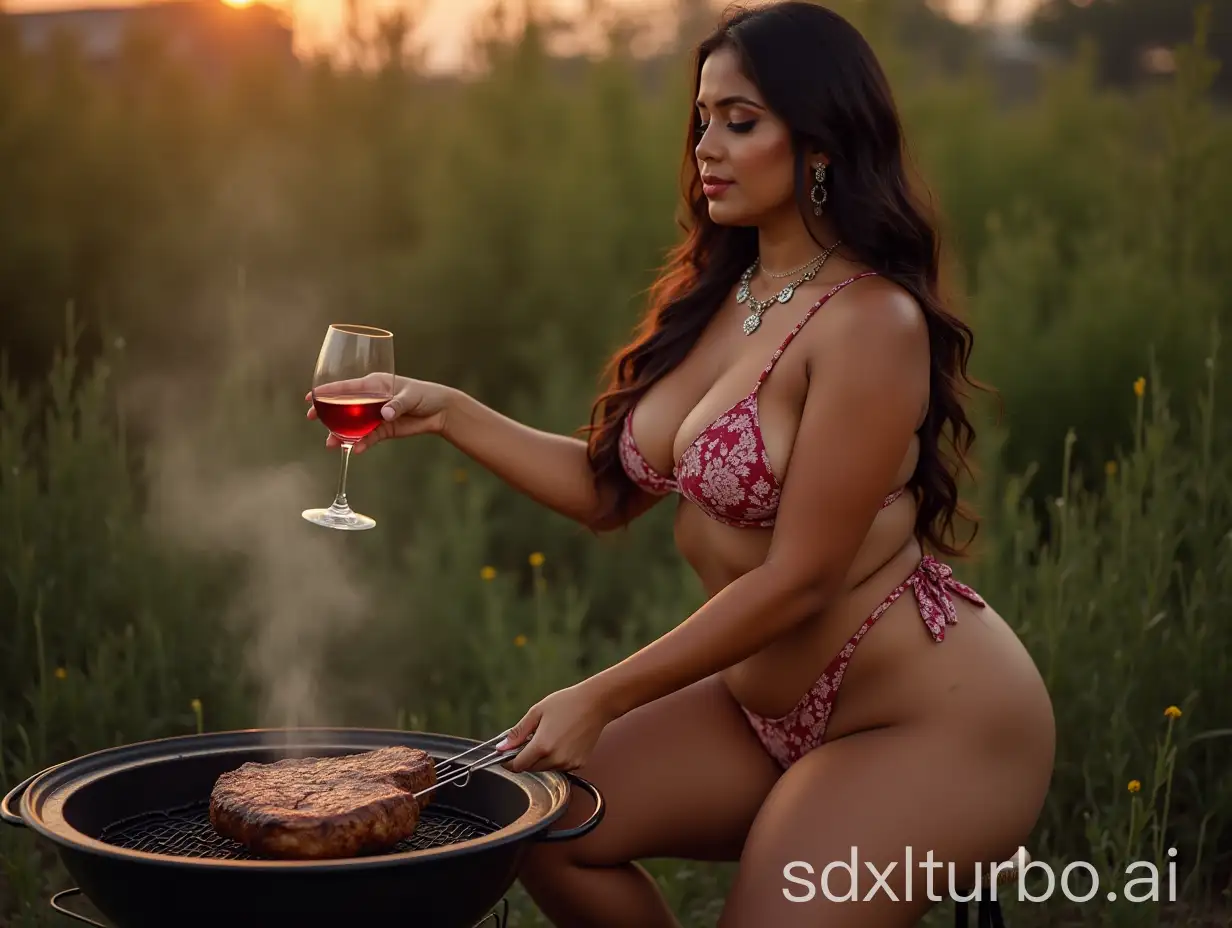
131 826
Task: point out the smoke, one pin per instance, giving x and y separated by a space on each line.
227 447
221 484
296 594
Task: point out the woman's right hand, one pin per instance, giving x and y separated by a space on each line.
418 407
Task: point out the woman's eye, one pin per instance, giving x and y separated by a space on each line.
746 126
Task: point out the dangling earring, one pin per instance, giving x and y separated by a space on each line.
819 174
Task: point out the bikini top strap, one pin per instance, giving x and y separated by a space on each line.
807 316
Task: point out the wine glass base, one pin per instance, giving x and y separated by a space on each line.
346 520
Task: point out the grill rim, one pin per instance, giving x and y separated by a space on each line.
42 800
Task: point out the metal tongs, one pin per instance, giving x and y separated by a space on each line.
461 775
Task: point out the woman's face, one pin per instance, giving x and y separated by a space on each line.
744 152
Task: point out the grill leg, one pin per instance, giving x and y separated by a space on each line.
58 904
988 910
988 914
499 915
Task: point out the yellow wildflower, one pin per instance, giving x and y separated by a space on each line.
488 573
536 559
61 673
459 475
1140 386
1110 468
519 641
1134 786
196 705
1173 712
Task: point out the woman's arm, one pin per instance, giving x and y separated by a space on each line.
551 469
554 470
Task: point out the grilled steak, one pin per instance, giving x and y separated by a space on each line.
314 808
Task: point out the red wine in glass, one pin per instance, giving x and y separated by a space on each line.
354 378
350 417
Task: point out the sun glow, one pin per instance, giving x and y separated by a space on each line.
238 3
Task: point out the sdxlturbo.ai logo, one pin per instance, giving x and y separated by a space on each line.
1079 881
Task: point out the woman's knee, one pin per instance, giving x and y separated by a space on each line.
544 862
655 768
593 849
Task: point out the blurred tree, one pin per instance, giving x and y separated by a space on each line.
933 38
1135 38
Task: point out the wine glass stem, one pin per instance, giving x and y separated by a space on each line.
340 501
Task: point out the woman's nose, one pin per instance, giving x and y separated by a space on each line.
706 149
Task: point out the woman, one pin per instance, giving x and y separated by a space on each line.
802 434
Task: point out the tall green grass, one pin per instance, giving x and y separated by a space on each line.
155 577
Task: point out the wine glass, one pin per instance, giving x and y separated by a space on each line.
354 378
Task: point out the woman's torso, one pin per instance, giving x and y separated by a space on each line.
722 369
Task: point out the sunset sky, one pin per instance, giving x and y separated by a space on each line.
445 24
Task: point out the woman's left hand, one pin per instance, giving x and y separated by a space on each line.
563 729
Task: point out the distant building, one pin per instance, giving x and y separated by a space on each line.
207 34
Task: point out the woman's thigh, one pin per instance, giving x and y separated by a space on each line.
879 796
683 776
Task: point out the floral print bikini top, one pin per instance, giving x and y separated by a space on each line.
726 470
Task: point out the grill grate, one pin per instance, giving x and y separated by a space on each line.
186 832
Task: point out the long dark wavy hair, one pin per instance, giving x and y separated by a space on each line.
819 75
